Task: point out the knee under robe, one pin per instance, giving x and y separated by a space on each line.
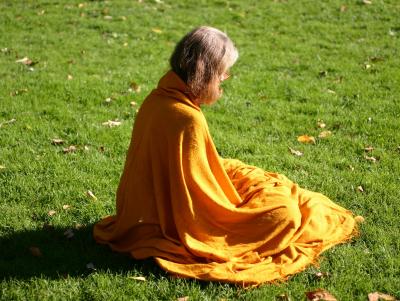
209 218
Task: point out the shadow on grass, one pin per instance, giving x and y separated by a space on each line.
63 257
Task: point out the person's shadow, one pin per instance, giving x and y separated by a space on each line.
48 252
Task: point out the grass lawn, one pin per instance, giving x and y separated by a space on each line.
301 62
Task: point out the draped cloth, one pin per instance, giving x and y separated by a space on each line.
205 217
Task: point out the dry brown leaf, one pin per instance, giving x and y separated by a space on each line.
186 298
26 61
156 30
296 152
306 139
372 159
321 275
51 212
35 251
134 87
140 278
69 233
112 123
320 294
283 297
369 149
324 134
360 188
359 219
18 92
69 149
66 207
380 296
8 122
91 195
57 141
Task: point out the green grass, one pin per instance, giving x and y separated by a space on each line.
278 91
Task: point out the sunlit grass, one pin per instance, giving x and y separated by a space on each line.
300 62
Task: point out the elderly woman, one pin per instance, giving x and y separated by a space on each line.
200 215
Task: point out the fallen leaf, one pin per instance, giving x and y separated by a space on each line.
369 149
35 251
320 294
296 152
86 148
321 124
360 188
108 100
78 226
186 298
26 61
8 122
323 73
69 77
331 91
69 233
18 92
359 219
321 275
306 139
134 86
140 278
112 123
372 159
283 297
90 266
343 8
65 207
69 149
108 17
91 195
2 167
367 66
133 104
367 2
80 5
380 296
51 212
156 30
57 141
324 134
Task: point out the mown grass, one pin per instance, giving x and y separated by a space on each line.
300 61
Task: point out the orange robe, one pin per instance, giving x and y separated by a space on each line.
210 218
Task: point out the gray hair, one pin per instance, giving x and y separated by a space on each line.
201 58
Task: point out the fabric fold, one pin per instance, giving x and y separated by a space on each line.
209 218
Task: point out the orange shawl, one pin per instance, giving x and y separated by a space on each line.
210 218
